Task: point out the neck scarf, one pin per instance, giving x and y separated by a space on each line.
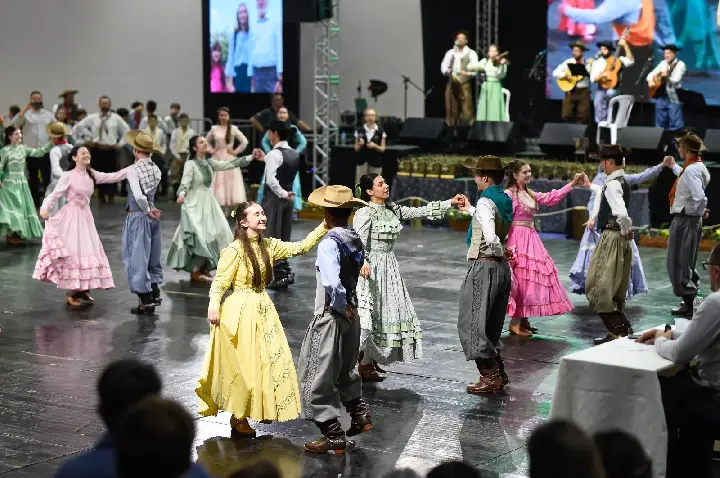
503 203
696 159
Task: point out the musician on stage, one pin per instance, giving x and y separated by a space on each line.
667 78
458 93
576 104
598 74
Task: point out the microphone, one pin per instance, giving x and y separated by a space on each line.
542 52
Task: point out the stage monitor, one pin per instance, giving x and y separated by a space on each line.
562 140
666 22
246 46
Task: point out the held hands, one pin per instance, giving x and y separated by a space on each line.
214 316
291 196
155 214
44 214
365 271
668 162
258 154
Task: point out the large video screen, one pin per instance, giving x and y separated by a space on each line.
246 46
688 24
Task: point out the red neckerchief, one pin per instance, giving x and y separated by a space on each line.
688 162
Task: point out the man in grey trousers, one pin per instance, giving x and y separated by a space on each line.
330 348
688 207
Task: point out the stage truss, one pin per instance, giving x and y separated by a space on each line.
326 117
487 25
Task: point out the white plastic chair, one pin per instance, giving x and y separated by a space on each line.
622 115
506 96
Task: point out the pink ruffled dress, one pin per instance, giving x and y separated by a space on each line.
72 256
536 288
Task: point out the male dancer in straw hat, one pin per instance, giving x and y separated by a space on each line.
59 161
576 103
486 290
330 349
141 239
609 272
688 205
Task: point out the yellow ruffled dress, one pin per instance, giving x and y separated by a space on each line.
248 369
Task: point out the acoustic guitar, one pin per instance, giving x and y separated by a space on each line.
569 84
609 78
660 80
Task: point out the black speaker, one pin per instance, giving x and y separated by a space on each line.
422 129
712 141
646 143
307 11
496 137
561 140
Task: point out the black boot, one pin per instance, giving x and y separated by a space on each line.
685 310
616 326
156 295
501 366
333 438
146 305
360 414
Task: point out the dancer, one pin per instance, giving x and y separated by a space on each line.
486 290
142 237
458 92
228 186
203 230
536 288
578 272
688 205
329 350
667 78
491 102
72 256
18 219
281 167
59 163
297 142
609 272
248 368
390 328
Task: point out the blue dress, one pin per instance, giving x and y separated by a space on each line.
296 188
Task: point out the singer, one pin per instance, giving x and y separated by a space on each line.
575 81
458 93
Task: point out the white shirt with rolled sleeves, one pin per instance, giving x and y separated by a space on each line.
674 81
563 68
614 195
328 265
598 66
273 160
453 60
484 212
106 130
690 196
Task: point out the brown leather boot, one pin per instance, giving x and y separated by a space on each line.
241 427
198 277
685 310
369 374
73 301
85 297
616 326
517 329
360 414
501 367
333 439
14 240
525 324
491 380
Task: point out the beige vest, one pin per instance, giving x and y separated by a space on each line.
464 62
478 246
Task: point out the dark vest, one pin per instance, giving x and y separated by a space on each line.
367 155
349 269
606 219
288 169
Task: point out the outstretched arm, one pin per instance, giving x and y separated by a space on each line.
553 197
282 250
432 210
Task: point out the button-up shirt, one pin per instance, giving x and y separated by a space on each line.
614 195
273 160
484 213
106 130
370 132
328 266
267 45
674 81
180 141
453 60
690 192
563 68
143 175
32 124
598 66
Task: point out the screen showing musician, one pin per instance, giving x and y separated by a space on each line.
688 25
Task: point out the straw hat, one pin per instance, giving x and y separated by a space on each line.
57 129
691 142
67 92
142 142
335 196
483 163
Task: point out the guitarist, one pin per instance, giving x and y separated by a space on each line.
666 80
597 75
576 104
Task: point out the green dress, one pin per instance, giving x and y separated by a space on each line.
491 104
203 230
17 208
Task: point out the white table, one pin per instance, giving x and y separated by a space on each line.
615 386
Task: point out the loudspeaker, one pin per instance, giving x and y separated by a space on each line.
561 140
641 139
423 129
306 11
496 137
712 141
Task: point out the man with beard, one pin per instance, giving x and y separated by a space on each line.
576 104
597 74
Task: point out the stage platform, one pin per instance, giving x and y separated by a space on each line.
50 359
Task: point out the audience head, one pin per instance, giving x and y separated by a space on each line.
14 110
61 114
174 108
152 121
622 455
151 106
518 174
104 104
277 100
36 100
283 114
250 223
123 113
278 131
184 120
154 440
82 113
262 469
137 106
373 188
123 384
243 18
454 469
223 115
370 116
559 449
713 267
461 39
13 135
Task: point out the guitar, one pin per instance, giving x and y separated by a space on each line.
569 84
660 80
608 79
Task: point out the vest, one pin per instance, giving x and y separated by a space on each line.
367 155
464 62
643 32
65 157
285 174
606 219
349 270
478 246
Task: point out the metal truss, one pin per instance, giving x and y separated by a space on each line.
487 26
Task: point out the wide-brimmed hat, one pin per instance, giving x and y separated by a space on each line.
67 92
483 163
335 196
671 47
607 44
691 142
611 151
57 129
580 44
142 142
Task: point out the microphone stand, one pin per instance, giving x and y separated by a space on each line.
641 78
407 81
535 74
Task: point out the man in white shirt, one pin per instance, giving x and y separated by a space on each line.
458 93
485 292
180 149
370 142
597 75
576 103
688 205
266 55
609 272
667 78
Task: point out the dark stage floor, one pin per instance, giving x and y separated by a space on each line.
50 359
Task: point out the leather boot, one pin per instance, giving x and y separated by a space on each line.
685 310
501 367
517 329
146 306
156 295
490 379
360 415
616 326
333 438
85 297
525 324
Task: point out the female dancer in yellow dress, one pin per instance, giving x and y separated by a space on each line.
248 369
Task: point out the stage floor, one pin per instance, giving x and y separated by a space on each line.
50 359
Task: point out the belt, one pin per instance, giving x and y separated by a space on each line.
682 214
489 258
530 224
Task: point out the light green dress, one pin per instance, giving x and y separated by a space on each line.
17 208
491 104
203 230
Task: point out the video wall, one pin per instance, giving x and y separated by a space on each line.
246 46
689 24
